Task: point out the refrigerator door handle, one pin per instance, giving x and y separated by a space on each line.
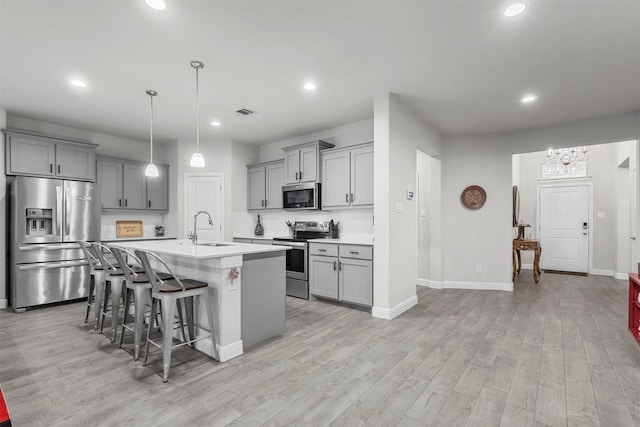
48 247
58 209
51 265
67 209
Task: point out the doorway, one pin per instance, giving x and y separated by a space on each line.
204 192
564 225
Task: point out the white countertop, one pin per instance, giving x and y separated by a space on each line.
184 248
111 239
347 240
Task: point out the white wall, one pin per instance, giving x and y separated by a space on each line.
476 237
226 157
476 159
399 134
352 221
111 146
342 136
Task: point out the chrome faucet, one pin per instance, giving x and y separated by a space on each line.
193 235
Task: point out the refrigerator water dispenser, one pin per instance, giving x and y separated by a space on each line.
39 222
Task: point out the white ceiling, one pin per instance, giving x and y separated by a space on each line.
460 64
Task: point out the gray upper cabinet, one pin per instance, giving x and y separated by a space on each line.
347 177
135 188
110 182
264 185
158 191
123 185
302 162
36 155
256 180
75 161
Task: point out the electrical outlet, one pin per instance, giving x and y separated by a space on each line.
479 268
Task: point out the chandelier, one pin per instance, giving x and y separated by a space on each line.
566 162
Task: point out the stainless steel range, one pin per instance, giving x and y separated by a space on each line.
298 256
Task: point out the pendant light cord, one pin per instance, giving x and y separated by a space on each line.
197 112
151 128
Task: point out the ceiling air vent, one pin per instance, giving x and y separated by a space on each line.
245 112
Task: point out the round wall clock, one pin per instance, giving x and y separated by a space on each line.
473 197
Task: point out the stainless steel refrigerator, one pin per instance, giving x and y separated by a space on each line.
47 217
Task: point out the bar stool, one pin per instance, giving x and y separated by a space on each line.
139 285
97 282
169 293
114 280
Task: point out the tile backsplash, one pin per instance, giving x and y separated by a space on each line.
353 222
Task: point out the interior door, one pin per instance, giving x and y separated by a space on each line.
204 193
563 218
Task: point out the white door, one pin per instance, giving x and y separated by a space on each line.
204 192
563 218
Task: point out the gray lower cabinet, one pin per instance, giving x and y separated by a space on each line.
123 185
341 272
38 155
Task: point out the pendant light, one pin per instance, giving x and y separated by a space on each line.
197 159
151 170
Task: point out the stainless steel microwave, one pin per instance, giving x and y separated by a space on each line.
301 197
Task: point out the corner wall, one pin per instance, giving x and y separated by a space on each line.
398 135
4 302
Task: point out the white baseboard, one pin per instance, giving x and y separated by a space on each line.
600 272
4 303
483 286
226 352
388 314
429 283
622 276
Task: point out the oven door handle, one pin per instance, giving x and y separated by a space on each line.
292 244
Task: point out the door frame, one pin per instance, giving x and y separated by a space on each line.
185 195
572 182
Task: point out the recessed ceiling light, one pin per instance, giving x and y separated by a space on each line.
527 99
215 123
156 4
514 9
309 86
78 83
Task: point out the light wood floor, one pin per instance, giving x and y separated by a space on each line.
557 353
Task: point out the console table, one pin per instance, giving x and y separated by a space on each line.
526 245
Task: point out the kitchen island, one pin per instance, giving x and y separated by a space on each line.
246 282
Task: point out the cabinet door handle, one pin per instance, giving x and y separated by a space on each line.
120 202
352 198
322 250
149 203
50 167
262 202
265 203
300 175
125 203
339 266
58 168
346 197
355 252
334 266
297 176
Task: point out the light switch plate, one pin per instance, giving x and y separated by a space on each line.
399 207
